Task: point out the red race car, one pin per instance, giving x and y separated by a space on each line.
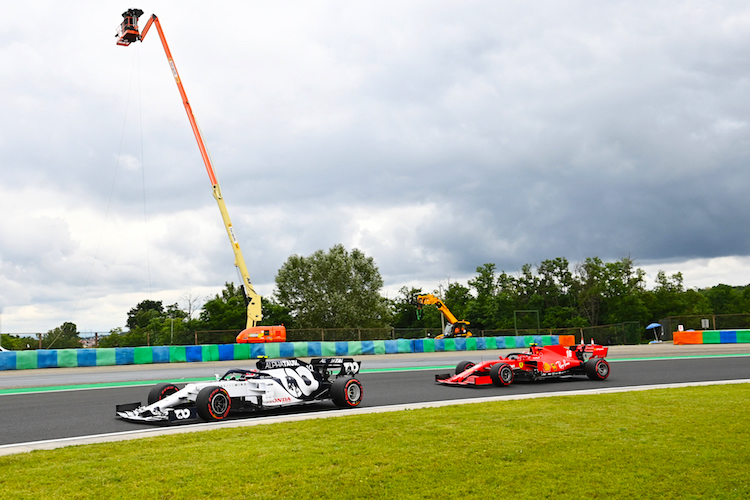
538 363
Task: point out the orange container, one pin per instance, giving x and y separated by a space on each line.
258 334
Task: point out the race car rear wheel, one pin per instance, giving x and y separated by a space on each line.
501 374
346 392
463 366
596 369
213 403
161 391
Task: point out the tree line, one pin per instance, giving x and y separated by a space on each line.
341 289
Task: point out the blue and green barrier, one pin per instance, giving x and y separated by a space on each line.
711 337
72 358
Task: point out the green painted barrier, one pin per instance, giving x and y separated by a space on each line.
67 358
272 350
428 345
471 343
327 349
241 351
106 357
26 360
210 353
379 346
711 337
450 344
177 354
143 355
404 345
300 349
743 336
355 348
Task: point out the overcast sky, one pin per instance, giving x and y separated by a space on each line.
435 136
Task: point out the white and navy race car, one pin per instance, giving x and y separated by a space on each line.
272 384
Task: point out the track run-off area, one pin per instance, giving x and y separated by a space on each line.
51 408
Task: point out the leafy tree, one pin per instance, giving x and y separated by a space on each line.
14 343
480 312
610 292
226 311
143 313
407 314
725 299
62 337
119 338
332 289
590 288
556 283
666 299
274 313
457 299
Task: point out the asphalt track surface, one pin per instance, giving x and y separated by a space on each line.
48 408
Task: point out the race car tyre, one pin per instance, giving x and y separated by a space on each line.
161 391
501 374
596 369
346 392
213 403
463 366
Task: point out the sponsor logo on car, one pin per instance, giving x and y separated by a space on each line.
285 399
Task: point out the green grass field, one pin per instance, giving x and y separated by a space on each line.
677 443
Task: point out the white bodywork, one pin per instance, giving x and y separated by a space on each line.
294 384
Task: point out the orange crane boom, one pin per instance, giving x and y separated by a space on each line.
127 34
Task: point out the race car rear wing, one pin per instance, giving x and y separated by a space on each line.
341 367
347 366
595 350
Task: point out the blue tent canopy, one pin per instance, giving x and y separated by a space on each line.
653 325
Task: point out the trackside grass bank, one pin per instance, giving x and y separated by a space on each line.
675 443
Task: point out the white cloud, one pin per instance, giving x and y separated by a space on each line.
436 136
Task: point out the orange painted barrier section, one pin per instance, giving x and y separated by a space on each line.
567 340
692 337
257 334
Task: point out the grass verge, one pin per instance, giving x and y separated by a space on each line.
673 443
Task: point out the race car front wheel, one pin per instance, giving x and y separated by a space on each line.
463 366
161 391
501 374
346 392
213 403
596 369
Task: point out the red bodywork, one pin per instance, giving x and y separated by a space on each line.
538 363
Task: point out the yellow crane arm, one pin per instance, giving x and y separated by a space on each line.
430 299
127 34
